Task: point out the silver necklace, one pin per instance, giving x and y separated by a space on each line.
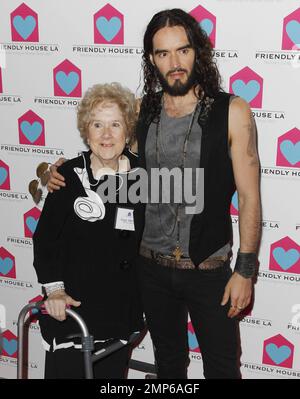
177 251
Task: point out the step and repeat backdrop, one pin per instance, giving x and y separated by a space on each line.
52 51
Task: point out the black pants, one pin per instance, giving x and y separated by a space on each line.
168 295
68 363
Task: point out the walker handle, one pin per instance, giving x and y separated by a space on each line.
87 339
44 311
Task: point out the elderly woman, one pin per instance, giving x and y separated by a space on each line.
84 251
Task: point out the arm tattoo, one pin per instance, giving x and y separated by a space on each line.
252 139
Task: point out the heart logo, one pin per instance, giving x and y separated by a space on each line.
10 347
67 82
235 201
3 175
108 28
207 25
286 259
31 131
247 91
24 27
6 265
31 223
193 343
291 151
278 354
293 31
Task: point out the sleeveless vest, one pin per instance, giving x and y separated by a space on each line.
211 229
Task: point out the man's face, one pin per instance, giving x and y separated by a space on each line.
174 59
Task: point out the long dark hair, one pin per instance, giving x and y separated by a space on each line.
206 71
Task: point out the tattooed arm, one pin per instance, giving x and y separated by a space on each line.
246 168
245 161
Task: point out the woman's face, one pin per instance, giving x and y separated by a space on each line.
107 132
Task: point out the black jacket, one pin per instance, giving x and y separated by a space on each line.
96 262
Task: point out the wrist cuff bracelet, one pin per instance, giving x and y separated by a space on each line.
245 264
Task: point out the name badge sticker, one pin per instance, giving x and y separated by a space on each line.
124 219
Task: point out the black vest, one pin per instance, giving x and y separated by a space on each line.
212 228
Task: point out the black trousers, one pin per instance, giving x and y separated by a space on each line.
68 364
168 295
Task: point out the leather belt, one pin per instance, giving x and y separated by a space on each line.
184 263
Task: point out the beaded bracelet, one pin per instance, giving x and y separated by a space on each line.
54 287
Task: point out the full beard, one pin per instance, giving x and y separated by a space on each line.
178 88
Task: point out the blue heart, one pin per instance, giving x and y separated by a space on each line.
207 25
6 265
24 26
235 200
10 347
193 343
286 259
31 131
291 151
293 30
67 82
31 223
108 29
247 91
278 355
3 175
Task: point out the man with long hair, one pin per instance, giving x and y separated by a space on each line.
187 121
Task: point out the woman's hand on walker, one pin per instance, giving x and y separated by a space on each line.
57 302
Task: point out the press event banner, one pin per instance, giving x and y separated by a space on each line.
53 51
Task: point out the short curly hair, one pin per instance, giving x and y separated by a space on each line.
107 93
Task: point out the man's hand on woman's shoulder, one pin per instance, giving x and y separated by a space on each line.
56 180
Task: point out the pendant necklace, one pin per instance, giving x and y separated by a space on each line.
178 253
